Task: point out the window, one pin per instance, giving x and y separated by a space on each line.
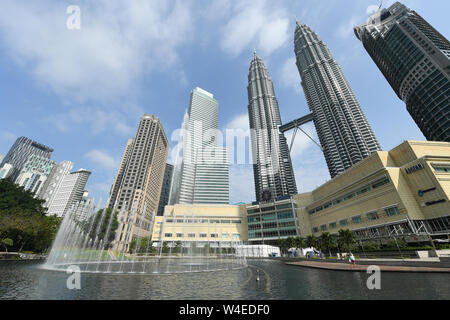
323 227
333 225
236 236
225 221
356 219
203 235
191 235
284 206
180 235
168 235
315 230
236 221
343 223
380 183
214 235
441 168
225 235
371 216
392 211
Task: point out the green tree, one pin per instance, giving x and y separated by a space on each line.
300 243
327 241
311 241
346 238
15 197
7 243
284 245
100 223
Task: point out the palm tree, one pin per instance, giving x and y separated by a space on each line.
311 241
346 237
327 241
284 244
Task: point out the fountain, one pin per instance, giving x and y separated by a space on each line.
83 244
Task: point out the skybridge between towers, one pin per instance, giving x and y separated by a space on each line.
296 125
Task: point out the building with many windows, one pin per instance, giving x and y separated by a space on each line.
137 187
202 175
403 192
415 59
343 130
272 166
69 194
202 223
6 170
34 173
21 151
54 181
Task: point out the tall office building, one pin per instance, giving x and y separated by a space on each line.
140 181
70 193
415 59
54 182
21 150
118 180
344 133
165 189
272 166
203 176
34 173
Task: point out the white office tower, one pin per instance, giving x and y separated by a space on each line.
203 176
83 208
54 181
70 193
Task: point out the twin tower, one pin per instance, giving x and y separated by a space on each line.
344 133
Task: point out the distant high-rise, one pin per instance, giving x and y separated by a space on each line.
203 174
137 188
344 133
54 181
415 59
70 193
165 190
21 150
272 166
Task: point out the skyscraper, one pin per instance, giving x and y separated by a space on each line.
203 176
21 150
54 181
272 167
415 59
165 190
139 181
70 193
344 133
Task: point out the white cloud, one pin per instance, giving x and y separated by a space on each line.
102 158
302 143
117 43
290 77
239 122
258 23
345 30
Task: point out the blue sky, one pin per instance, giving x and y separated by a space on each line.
82 92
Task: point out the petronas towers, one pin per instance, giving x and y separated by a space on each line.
272 167
344 132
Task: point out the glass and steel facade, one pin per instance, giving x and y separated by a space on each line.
272 166
202 175
415 59
344 132
270 222
34 173
165 190
21 151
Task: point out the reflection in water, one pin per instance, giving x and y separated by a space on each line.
23 280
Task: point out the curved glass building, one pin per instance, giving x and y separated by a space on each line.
415 59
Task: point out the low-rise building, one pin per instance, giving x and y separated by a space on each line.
402 192
202 223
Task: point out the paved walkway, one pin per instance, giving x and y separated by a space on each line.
362 268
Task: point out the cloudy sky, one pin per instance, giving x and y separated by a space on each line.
82 92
